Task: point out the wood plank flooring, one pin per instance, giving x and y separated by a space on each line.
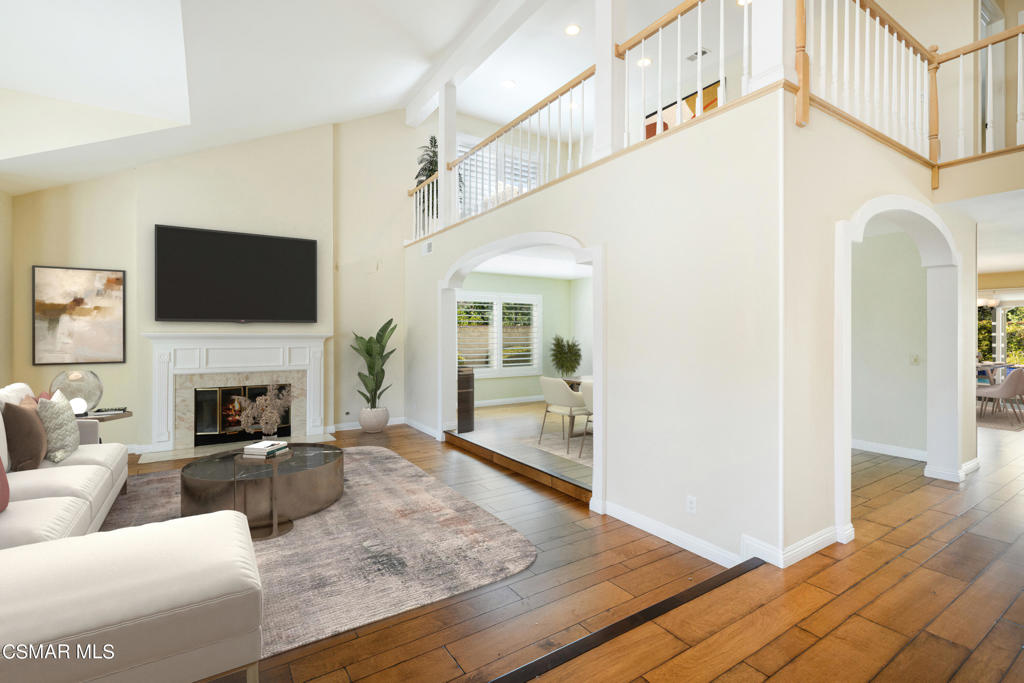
931 589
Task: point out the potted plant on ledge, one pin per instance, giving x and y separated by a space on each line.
373 351
565 355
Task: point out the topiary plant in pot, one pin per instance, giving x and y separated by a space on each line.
565 355
374 353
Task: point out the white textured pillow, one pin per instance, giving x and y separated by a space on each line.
61 428
14 393
5 458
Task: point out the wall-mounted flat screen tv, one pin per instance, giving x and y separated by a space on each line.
217 275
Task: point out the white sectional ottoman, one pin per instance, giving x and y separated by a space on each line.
175 601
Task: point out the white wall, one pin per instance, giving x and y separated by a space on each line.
889 330
581 295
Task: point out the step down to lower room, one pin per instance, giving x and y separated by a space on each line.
566 653
537 472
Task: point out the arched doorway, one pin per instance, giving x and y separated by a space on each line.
941 261
447 357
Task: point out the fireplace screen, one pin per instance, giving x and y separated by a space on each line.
218 412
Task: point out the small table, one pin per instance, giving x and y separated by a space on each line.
990 368
271 492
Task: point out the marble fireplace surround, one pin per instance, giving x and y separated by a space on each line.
183 362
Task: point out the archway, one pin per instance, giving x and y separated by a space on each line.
447 357
941 261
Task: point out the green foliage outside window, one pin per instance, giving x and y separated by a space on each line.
986 352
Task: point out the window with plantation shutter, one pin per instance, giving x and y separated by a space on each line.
499 335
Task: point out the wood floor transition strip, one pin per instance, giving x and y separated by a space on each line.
556 658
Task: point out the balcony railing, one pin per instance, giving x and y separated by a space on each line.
688 62
853 60
542 144
854 57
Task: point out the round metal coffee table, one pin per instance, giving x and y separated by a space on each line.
304 479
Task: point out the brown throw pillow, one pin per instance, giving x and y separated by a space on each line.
26 438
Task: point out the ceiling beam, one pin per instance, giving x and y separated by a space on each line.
468 52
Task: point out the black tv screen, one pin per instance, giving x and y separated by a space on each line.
215 275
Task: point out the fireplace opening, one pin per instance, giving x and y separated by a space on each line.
218 412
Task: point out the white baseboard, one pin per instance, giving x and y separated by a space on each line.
793 553
845 534
346 426
956 475
507 401
672 535
436 433
887 449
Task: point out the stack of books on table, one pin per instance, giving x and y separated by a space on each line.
264 449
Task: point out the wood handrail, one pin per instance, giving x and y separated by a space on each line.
980 44
897 29
425 182
803 67
652 28
572 83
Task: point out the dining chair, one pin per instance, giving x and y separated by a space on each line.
563 401
587 390
1008 390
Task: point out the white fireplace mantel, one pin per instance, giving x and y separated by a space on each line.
180 353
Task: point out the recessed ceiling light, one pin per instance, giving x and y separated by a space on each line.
508 85
741 3
572 30
643 62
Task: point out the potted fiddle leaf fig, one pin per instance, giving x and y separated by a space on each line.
374 352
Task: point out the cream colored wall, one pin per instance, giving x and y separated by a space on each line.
667 228
85 225
557 311
817 195
6 285
890 396
374 166
279 185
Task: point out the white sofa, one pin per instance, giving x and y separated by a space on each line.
179 600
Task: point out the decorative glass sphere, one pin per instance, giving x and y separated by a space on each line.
84 384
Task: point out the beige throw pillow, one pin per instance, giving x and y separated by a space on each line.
61 428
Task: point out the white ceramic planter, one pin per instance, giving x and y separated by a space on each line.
373 420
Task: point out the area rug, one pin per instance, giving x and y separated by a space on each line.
397 539
1001 419
553 443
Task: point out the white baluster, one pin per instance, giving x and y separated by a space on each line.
922 104
660 76
961 132
547 153
810 48
860 53
847 99
885 101
990 114
721 53
1020 89
834 90
879 105
625 119
901 101
583 99
679 69
745 79
700 59
643 89
522 178
823 57
568 156
558 147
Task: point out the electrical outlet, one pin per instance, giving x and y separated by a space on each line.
691 504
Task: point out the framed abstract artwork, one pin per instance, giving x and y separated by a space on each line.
77 315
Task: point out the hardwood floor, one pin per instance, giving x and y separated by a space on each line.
930 589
